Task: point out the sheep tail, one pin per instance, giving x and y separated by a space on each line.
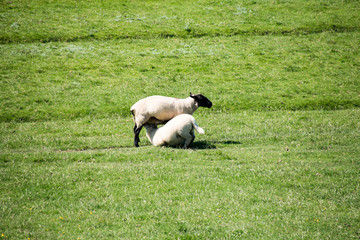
197 128
133 114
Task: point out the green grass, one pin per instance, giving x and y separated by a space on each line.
101 79
37 20
272 175
280 156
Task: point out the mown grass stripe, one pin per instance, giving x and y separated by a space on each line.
181 34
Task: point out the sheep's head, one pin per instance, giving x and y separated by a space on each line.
201 100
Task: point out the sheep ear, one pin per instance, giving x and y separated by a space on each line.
192 95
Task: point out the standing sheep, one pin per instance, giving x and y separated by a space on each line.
179 131
159 109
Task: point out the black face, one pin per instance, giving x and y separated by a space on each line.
201 100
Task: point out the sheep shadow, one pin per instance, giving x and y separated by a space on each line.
211 144
202 145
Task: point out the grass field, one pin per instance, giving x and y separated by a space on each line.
280 155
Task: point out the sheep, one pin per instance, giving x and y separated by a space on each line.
179 131
159 109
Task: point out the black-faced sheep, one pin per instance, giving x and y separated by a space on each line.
159 109
179 131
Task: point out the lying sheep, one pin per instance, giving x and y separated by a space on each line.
158 110
179 131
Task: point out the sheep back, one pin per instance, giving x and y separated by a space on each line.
174 131
159 109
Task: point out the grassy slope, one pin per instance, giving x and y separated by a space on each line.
68 169
28 21
271 175
70 80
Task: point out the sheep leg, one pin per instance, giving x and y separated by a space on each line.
140 120
188 141
193 138
189 138
136 137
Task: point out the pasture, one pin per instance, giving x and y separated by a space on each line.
280 155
